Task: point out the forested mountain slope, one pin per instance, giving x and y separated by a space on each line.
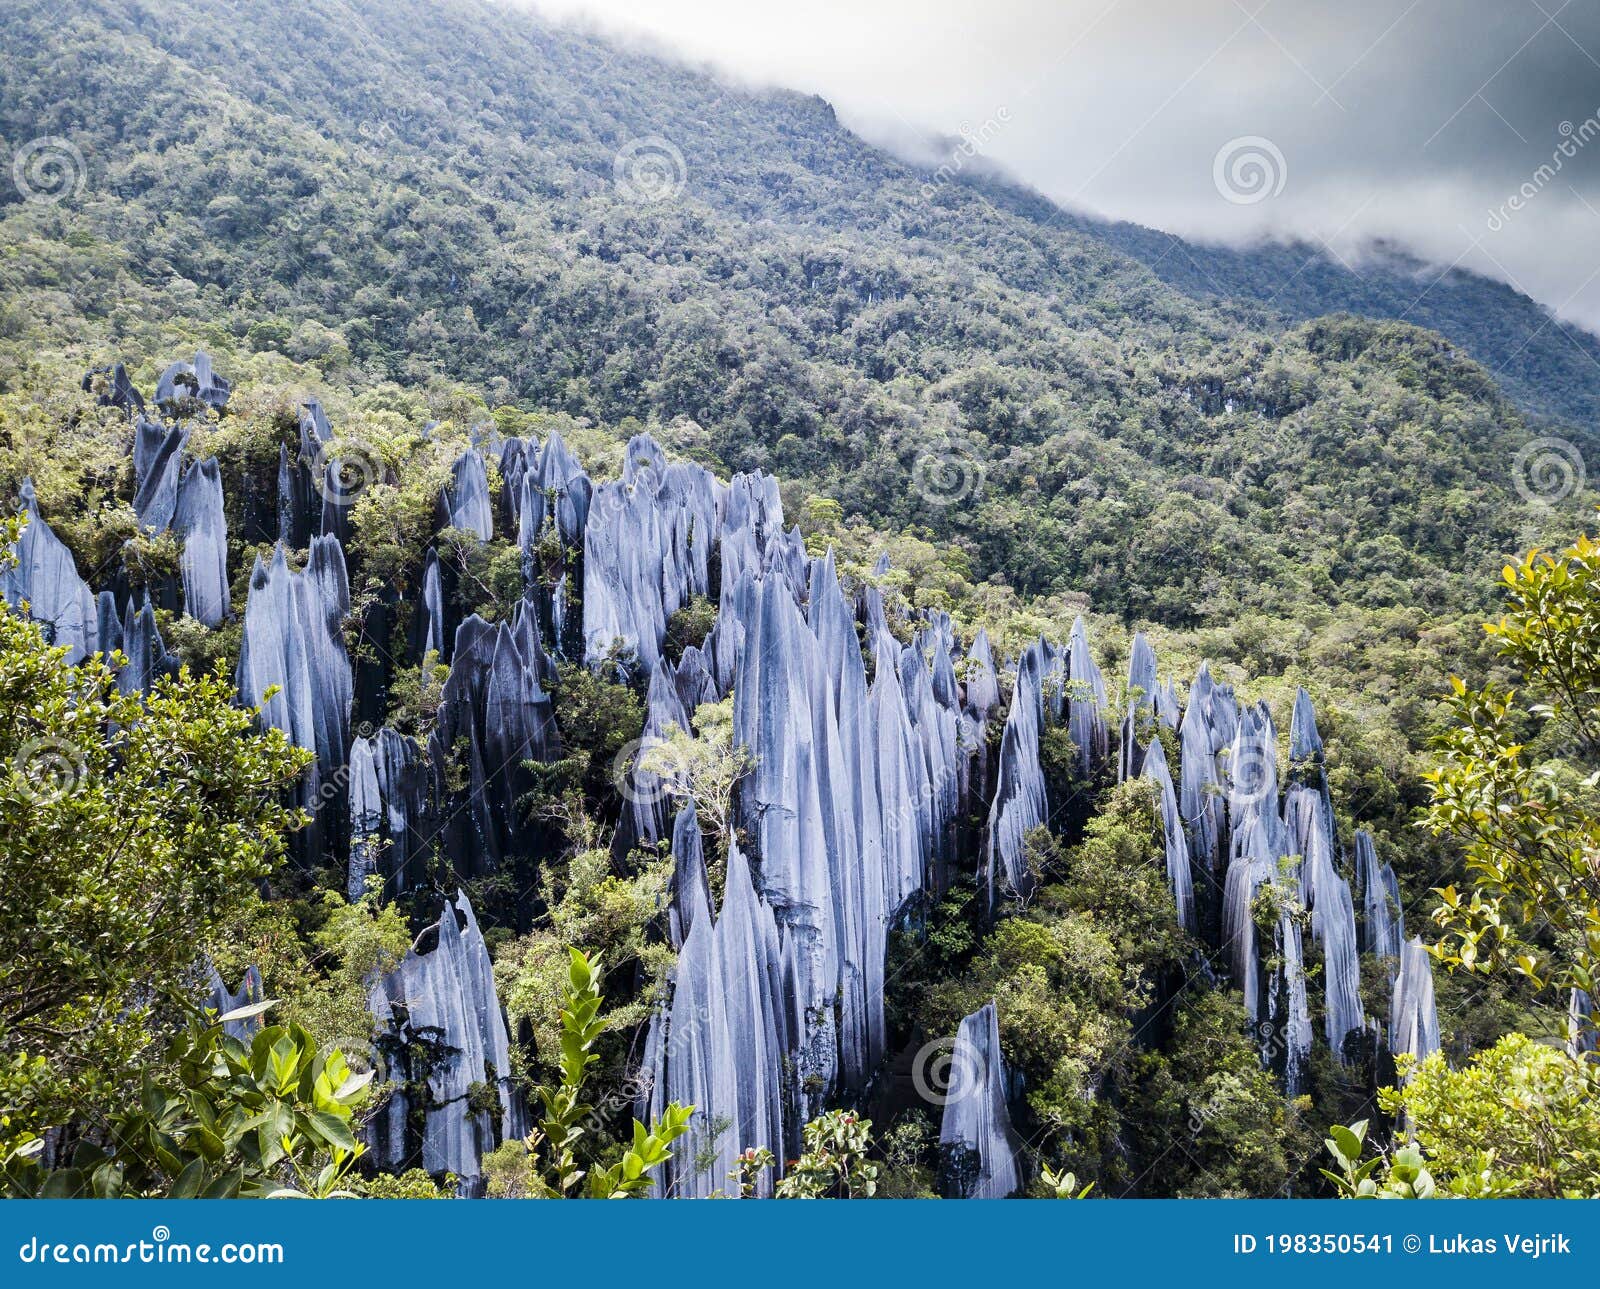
411 190
881 619
1548 366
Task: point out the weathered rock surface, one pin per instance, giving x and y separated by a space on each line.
1179 877
721 1044
1383 927
494 715
1413 1016
45 578
292 641
193 380
390 820
201 521
1019 798
443 1031
147 655
466 502
980 1153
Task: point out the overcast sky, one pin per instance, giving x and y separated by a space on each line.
1341 120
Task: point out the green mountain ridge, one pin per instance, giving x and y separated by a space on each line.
463 232
363 196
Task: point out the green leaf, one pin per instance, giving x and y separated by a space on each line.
191 1181
333 1130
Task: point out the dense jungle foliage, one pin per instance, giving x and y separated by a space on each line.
416 217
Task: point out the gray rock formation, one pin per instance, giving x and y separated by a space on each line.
442 1029
1176 842
147 656
194 380
1140 711
390 824
119 390
691 894
721 1045
1019 799
1582 1037
555 494
200 520
45 579
429 619
466 502
980 1153
494 715
1413 1017
157 468
1383 927
1207 731
1333 917
647 549
1086 693
517 456
293 641
1271 975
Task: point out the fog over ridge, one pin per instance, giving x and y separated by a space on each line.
1467 131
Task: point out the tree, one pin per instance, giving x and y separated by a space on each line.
1518 784
704 765
133 833
833 1163
550 1162
1520 1119
589 905
228 1118
1404 1175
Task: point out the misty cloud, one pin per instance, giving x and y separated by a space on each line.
1457 127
